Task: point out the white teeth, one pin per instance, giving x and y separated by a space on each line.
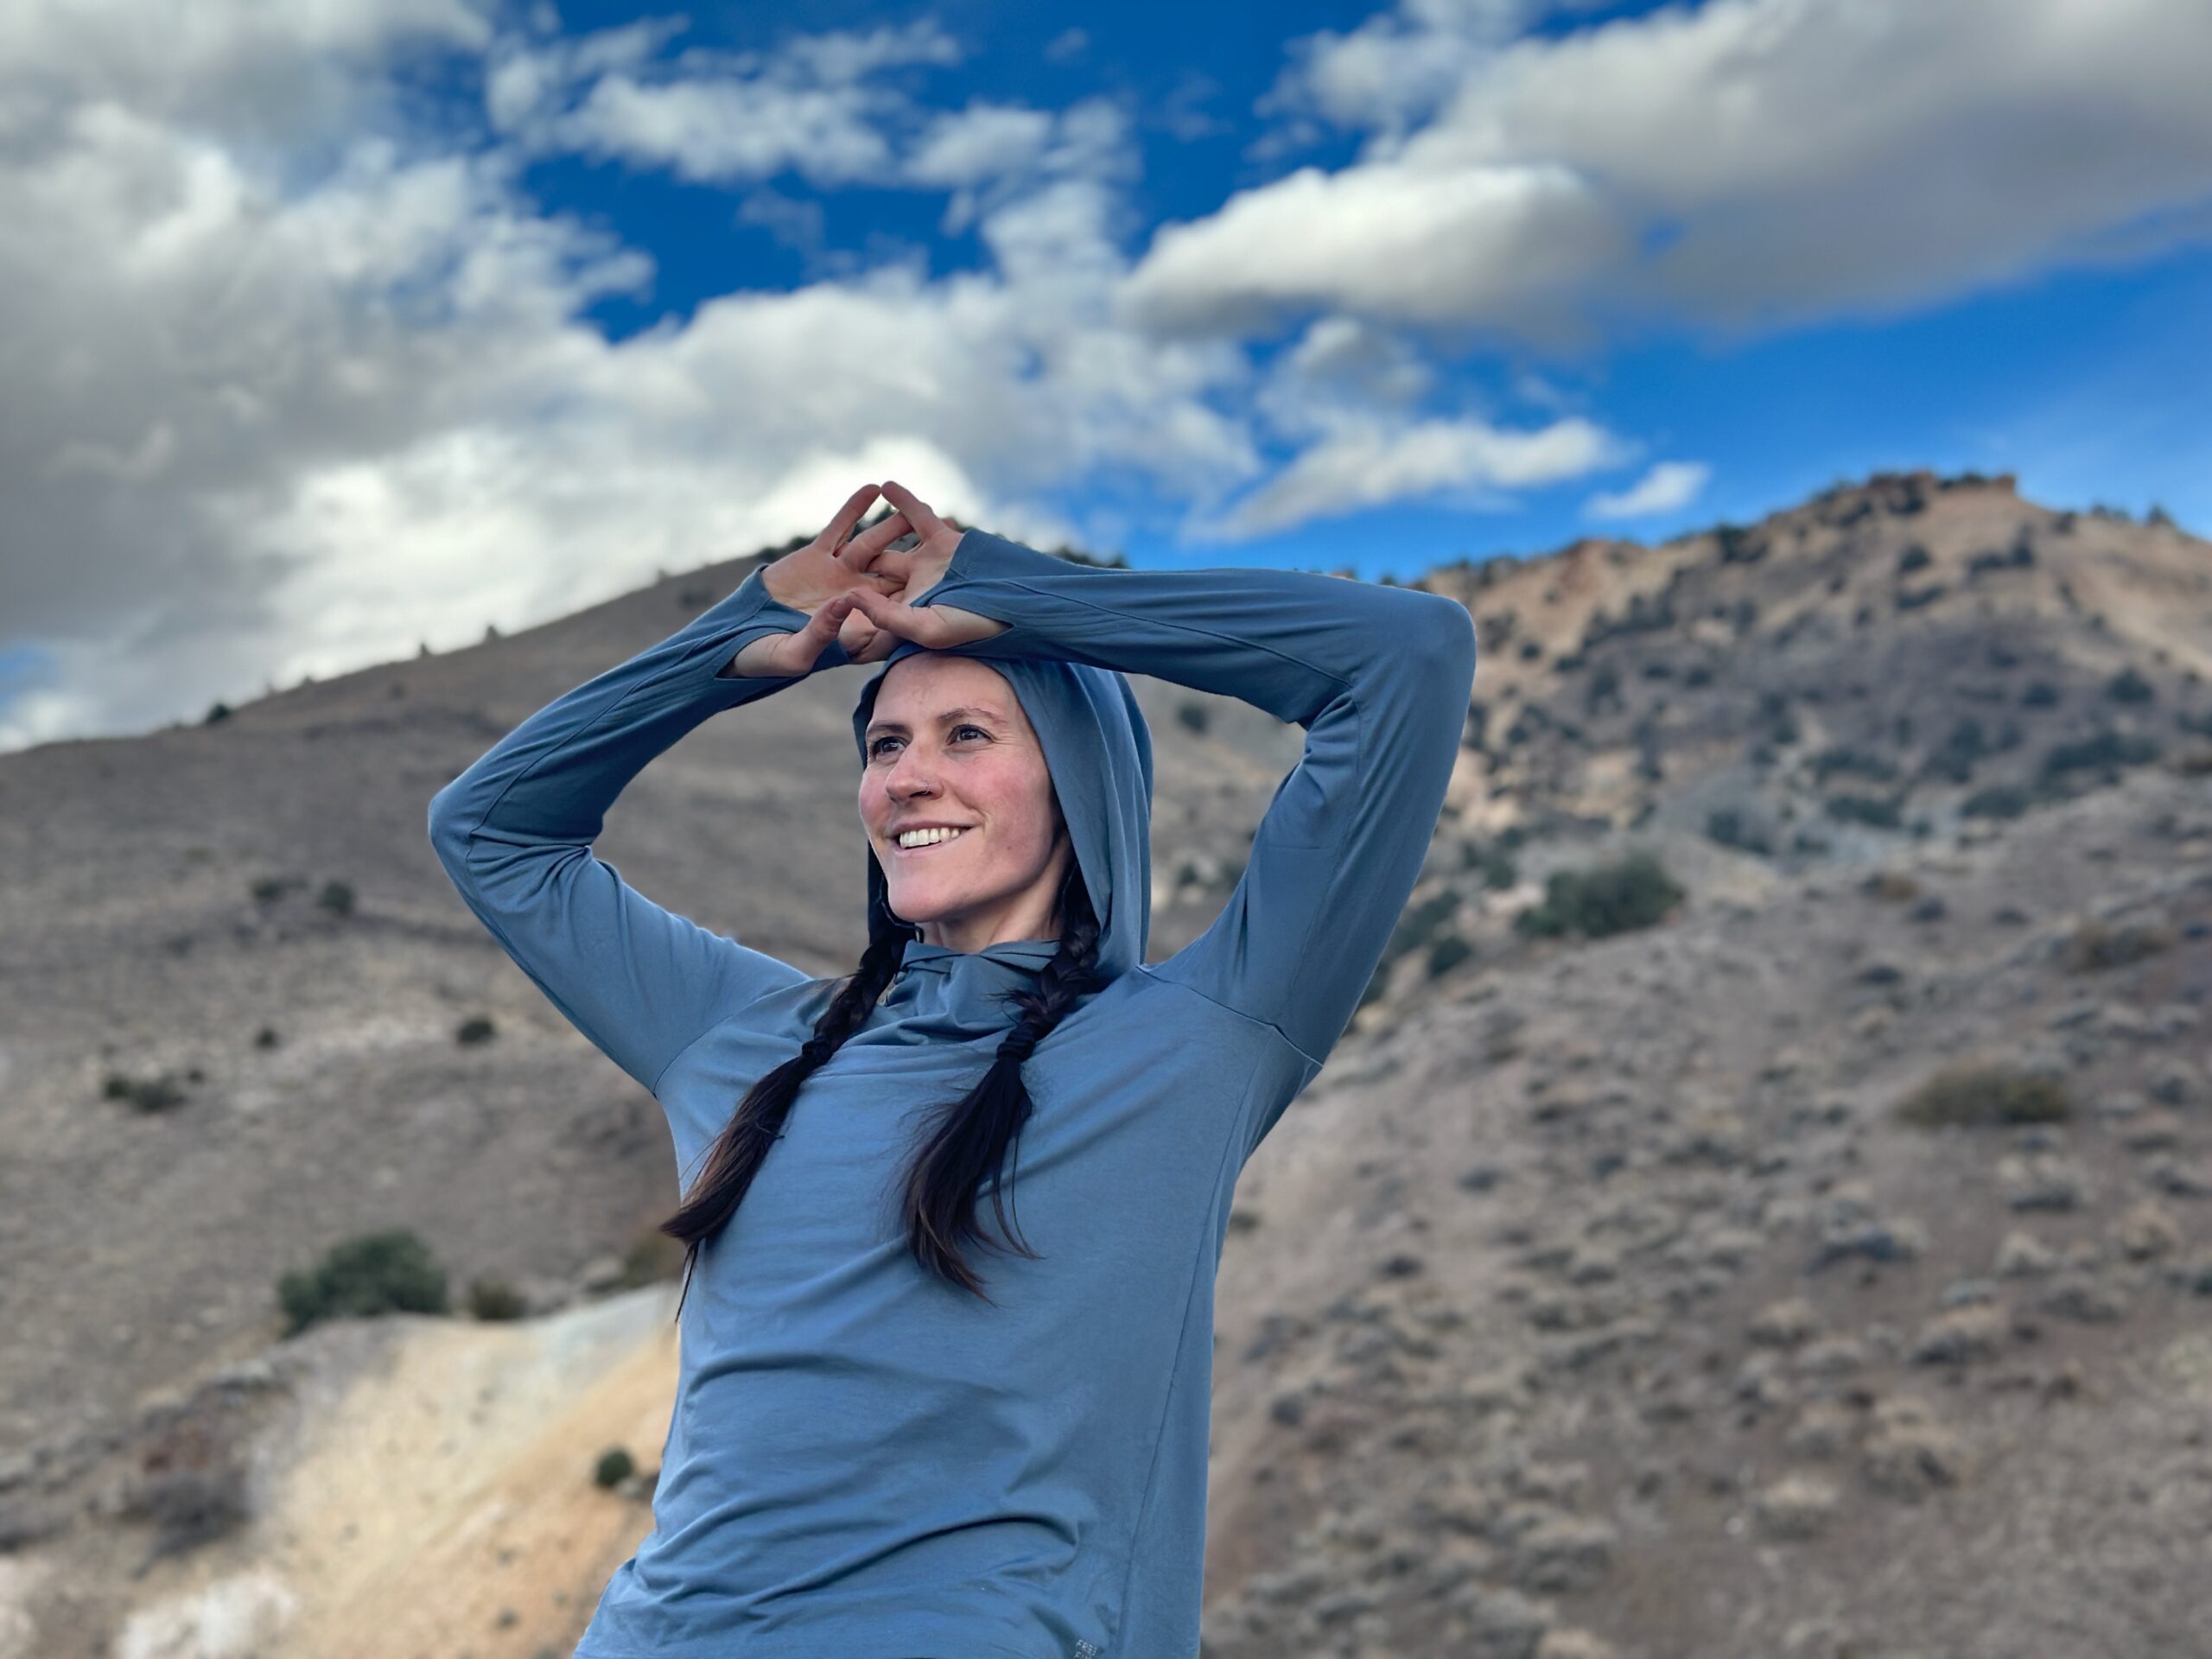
928 837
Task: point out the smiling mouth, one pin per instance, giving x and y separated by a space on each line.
927 846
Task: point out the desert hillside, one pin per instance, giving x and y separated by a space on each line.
1764 1208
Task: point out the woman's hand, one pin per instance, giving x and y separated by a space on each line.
817 579
861 592
890 610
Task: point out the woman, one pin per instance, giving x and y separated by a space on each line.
900 1434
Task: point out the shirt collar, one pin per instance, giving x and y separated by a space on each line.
1032 954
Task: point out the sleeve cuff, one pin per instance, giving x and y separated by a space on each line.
734 622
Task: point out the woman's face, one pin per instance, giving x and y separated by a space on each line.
948 744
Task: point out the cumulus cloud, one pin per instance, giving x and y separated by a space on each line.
1667 486
282 408
1365 462
809 107
1743 165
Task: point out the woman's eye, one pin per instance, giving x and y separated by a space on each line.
875 748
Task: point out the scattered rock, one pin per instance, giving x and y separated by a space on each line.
2083 1297
2146 1230
1960 1337
1795 1507
2044 1181
2023 1255
1784 1324
1909 1453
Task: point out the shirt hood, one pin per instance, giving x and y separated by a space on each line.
1099 752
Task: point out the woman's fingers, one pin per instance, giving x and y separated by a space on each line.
865 549
913 509
850 514
894 616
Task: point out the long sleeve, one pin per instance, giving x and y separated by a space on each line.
515 832
1379 677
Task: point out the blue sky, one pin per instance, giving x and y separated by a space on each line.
351 328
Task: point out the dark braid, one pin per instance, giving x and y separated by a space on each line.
757 1122
971 1137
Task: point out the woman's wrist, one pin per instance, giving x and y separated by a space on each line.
776 584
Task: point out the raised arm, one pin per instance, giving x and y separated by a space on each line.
1379 677
515 832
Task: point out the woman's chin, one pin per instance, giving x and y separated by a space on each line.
921 906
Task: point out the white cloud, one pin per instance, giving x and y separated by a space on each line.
265 420
1803 158
1369 462
980 142
808 107
1387 241
1667 486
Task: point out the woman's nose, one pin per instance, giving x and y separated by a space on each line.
908 775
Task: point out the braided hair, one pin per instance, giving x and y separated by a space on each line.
970 1139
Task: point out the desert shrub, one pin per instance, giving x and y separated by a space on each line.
387 1272
614 1466
1998 801
1974 1093
337 898
1419 923
1630 892
1843 758
2023 554
1605 684
477 1028
155 1094
1955 760
1445 952
1731 827
2128 686
495 1299
1883 812
1914 557
1193 716
2096 945
1498 871
2106 751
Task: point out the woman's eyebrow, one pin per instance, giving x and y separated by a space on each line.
963 713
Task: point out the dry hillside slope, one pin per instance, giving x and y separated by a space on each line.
1599 1298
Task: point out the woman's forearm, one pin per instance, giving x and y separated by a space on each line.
514 832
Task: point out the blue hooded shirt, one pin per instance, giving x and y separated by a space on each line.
863 1461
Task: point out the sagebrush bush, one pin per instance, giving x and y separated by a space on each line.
495 1299
1630 892
2099 945
388 1271
1975 1092
614 1466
